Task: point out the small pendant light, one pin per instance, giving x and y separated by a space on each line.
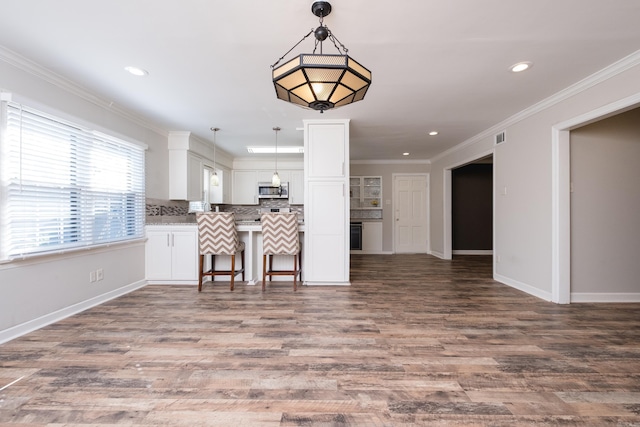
214 181
275 181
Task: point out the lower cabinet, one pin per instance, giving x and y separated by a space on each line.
171 254
372 236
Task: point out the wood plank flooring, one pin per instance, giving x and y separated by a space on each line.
415 341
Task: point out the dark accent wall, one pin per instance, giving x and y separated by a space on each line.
472 207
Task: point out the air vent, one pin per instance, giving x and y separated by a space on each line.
500 137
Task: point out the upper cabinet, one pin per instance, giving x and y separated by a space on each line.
325 151
365 192
296 188
185 176
245 187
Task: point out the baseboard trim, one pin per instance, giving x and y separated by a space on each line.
371 252
621 297
438 254
523 287
327 283
473 252
40 322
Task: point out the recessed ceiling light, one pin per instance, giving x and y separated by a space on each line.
433 133
520 66
137 71
405 154
272 150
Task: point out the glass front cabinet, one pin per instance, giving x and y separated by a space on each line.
365 192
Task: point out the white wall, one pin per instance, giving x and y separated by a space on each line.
41 290
605 206
523 164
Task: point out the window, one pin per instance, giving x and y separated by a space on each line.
65 187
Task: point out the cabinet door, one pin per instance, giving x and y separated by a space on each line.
372 236
296 188
195 191
245 188
326 151
371 192
184 259
158 255
185 176
326 237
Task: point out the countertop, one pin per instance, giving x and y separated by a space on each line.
191 219
243 224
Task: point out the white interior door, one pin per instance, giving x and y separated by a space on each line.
410 214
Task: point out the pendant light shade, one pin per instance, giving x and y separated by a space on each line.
321 81
275 180
214 181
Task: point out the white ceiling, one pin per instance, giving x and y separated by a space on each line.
436 64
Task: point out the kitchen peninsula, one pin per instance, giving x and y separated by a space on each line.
172 252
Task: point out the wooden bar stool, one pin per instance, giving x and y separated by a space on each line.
218 235
280 237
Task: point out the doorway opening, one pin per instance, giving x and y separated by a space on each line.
561 193
472 208
448 201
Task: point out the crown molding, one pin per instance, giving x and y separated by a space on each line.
598 77
28 66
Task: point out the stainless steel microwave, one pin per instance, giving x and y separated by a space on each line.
268 191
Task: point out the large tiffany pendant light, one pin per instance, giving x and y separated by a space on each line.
317 80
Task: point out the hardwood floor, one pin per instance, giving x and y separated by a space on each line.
414 341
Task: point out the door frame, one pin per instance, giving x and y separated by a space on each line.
394 206
561 192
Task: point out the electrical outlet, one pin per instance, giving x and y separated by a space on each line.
99 274
92 276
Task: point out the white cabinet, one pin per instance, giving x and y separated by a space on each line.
245 187
171 254
185 176
365 192
372 236
296 188
326 154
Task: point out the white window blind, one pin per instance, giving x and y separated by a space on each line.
65 187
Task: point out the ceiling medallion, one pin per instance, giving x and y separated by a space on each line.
321 81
